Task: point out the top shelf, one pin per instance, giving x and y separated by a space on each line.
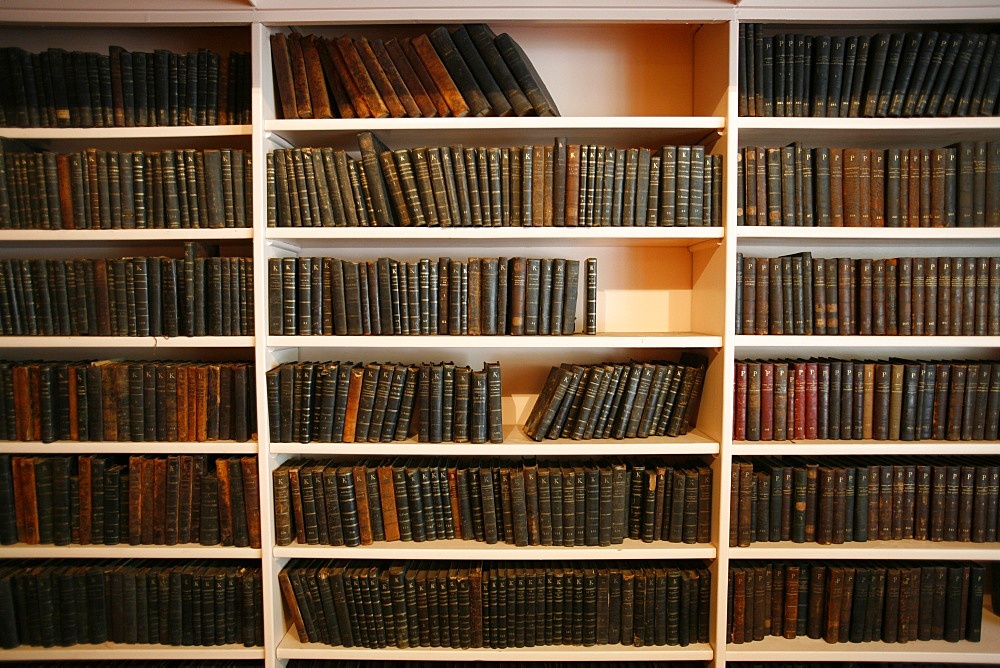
303 12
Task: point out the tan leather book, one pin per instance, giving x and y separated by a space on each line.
281 61
300 76
414 83
318 95
354 67
442 79
353 401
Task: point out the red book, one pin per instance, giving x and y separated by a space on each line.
740 403
766 401
811 400
800 400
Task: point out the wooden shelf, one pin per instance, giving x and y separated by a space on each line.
773 648
865 447
901 549
750 345
57 237
870 234
474 550
131 342
126 551
434 237
291 648
624 132
882 132
516 444
97 135
129 447
124 652
576 341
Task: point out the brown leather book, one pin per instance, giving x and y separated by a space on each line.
354 68
65 192
439 73
349 88
300 76
336 92
225 502
876 187
184 423
318 95
853 185
135 499
395 77
791 616
147 499
361 498
27 500
915 187
739 579
414 83
939 195
201 405
353 401
834 602
251 498
281 61
572 202
159 500
458 70
288 594
379 77
295 472
453 498
387 494
484 40
435 95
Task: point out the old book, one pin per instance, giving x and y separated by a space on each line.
526 76
423 51
354 69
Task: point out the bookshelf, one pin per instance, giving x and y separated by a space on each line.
642 75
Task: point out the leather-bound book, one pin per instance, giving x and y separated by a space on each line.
432 62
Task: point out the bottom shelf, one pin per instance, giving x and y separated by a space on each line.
774 648
123 652
291 648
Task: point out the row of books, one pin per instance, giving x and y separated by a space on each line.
520 186
927 73
953 186
856 499
890 602
897 400
134 601
469 71
99 189
619 400
131 296
104 499
481 296
518 503
906 296
112 400
56 88
347 402
498 604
